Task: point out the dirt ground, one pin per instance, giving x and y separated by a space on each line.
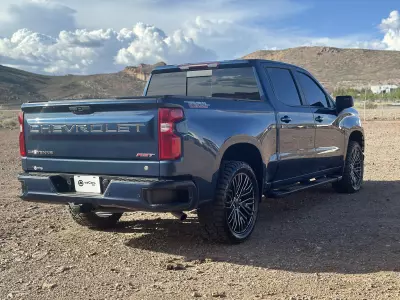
311 245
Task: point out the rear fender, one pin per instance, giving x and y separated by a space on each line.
236 140
239 139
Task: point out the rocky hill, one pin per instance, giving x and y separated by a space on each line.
18 86
142 72
336 67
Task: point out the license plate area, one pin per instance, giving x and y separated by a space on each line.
87 184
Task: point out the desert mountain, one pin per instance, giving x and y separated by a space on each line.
336 67
18 86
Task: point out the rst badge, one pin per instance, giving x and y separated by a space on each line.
40 152
145 155
197 104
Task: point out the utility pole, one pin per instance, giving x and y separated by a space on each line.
365 94
365 107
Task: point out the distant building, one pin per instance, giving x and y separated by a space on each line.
383 89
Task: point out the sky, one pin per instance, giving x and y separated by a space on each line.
101 36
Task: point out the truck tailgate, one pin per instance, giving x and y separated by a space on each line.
101 130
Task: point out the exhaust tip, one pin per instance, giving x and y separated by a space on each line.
183 217
180 215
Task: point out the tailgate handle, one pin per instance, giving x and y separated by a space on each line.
81 110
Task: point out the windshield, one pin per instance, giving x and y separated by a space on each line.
237 83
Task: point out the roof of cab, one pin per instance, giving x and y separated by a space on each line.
238 62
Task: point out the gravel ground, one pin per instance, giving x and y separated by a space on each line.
311 245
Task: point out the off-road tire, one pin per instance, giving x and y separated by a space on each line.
346 184
213 216
92 220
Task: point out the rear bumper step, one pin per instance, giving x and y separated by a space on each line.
145 194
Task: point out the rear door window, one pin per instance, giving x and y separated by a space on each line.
236 83
284 86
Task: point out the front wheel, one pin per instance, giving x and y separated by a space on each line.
232 216
353 173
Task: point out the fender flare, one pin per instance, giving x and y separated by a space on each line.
238 139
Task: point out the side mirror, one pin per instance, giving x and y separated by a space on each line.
343 102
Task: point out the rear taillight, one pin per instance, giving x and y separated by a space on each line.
22 149
170 145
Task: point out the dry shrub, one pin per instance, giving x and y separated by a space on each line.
9 123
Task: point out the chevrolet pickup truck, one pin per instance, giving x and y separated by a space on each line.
211 137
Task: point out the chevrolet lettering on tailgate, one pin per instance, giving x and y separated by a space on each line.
84 128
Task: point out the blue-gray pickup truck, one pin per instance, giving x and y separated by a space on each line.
214 137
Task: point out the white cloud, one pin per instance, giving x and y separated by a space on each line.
391 27
171 14
105 50
232 40
228 39
46 36
38 51
49 42
152 44
44 16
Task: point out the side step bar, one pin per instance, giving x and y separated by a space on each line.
284 191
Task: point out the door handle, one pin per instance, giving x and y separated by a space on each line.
286 119
319 119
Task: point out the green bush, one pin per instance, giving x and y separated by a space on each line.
366 94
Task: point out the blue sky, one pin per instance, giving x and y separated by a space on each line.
345 17
92 36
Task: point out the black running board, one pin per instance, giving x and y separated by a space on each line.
284 191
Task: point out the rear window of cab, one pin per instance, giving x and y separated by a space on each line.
232 83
